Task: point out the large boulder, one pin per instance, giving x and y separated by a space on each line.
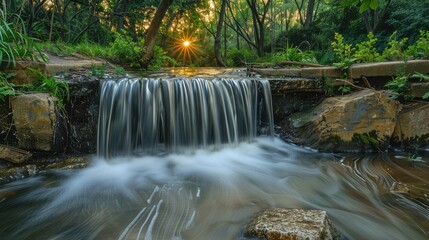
285 224
412 128
37 121
361 121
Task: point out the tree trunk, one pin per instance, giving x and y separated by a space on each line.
309 14
217 42
152 32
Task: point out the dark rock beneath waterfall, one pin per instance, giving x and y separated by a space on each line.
362 121
82 111
285 224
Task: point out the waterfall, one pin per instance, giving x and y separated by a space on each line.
151 116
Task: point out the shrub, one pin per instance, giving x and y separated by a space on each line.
14 44
125 51
421 49
294 54
396 49
343 51
366 51
239 58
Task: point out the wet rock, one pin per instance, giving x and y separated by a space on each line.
362 121
13 155
37 122
398 187
285 224
82 111
70 163
412 128
11 174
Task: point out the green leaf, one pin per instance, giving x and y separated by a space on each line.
365 5
374 4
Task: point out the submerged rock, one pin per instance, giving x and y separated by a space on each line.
360 121
285 224
11 174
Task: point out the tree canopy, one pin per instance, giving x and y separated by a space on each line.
217 32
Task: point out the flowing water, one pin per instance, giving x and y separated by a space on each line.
205 173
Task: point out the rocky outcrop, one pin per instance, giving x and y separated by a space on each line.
412 128
37 122
360 121
285 224
82 111
13 155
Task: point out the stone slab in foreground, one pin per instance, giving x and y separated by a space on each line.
286 224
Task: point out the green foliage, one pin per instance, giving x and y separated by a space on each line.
399 86
93 50
6 88
364 4
15 45
344 89
120 70
239 58
61 49
98 71
407 17
343 51
413 159
293 54
421 49
366 51
160 59
396 50
43 83
367 139
125 50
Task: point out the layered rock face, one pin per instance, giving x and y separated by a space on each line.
412 128
359 121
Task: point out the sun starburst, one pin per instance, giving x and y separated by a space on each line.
185 48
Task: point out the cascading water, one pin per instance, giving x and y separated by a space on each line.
144 115
164 181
